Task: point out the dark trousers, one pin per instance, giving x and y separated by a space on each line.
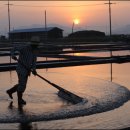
21 86
22 82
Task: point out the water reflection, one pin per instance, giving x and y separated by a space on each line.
24 125
11 105
111 72
111 65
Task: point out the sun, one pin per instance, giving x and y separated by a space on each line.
76 21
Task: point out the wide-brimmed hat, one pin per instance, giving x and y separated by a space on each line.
35 40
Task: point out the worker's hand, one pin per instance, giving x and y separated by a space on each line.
34 72
14 57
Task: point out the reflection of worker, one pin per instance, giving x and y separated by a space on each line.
26 65
25 123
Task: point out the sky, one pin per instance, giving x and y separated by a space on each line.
92 15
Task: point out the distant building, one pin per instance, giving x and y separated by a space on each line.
87 34
26 34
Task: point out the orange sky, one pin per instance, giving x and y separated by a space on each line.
92 14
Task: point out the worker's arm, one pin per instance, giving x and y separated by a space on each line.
14 50
13 54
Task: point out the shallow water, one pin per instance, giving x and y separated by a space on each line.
44 104
76 79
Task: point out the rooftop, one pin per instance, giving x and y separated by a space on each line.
34 30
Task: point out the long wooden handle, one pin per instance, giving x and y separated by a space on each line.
54 85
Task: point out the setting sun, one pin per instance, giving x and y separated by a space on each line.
76 21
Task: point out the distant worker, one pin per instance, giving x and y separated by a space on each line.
26 65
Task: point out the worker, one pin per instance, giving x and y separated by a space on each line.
26 65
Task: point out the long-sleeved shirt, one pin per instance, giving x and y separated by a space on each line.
27 57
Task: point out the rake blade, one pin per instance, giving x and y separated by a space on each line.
70 97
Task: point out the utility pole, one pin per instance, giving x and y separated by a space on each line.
110 19
8 16
45 28
110 28
9 25
45 32
72 27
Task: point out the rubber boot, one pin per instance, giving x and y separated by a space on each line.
12 90
20 100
